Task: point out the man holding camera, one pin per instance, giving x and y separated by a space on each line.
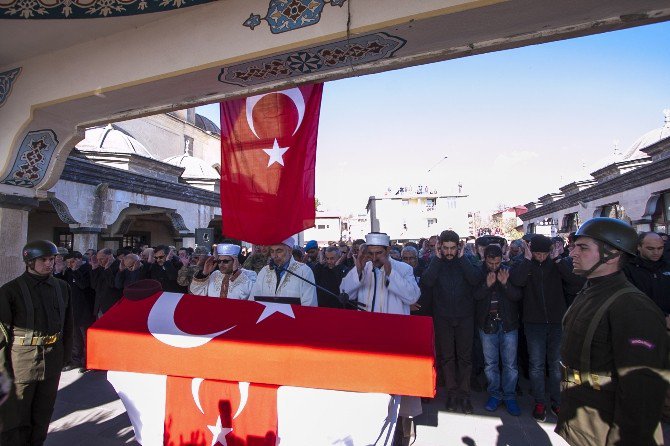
497 318
222 275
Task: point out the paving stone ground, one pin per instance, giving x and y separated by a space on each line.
89 413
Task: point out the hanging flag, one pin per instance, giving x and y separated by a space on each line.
268 154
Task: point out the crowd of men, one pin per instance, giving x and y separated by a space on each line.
499 309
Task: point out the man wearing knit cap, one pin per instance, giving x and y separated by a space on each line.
276 279
228 280
544 277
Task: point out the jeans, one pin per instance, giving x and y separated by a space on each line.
501 346
544 341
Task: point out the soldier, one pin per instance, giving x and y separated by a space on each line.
614 347
36 326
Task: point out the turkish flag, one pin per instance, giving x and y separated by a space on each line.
208 412
258 342
268 154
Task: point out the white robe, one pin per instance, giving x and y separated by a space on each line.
240 288
289 285
394 293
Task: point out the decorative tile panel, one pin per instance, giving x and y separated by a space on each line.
7 79
33 159
359 50
288 15
87 9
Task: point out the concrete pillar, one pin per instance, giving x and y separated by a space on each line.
14 234
85 238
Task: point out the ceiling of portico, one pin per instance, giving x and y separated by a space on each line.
24 39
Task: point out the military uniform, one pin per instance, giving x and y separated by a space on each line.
622 403
35 343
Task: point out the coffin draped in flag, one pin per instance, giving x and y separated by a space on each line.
195 370
268 154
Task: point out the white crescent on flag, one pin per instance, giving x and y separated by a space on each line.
162 326
294 94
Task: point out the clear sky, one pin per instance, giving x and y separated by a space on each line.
514 125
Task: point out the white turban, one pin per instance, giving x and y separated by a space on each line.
377 239
290 242
226 249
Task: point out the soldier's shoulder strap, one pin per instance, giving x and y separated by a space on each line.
30 310
585 358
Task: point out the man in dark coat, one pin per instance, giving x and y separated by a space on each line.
105 267
544 277
452 277
36 330
329 276
78 276
649 271
164 270
614 349
497 321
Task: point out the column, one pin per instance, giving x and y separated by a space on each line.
14 234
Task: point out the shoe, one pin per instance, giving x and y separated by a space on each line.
452 404
83 370
513 408
492 404
466 406
555 409
540 412
68 367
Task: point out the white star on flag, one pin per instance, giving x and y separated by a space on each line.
219 433
272 308
276 153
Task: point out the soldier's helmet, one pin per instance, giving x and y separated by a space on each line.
612 231
38 248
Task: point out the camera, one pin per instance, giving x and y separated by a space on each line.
491 323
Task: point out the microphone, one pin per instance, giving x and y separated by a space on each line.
343 298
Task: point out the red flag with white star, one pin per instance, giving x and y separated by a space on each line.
268 155
210 412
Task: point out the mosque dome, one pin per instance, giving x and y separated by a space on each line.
207 125
111 139
193 167
649 138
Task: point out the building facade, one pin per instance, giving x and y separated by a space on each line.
633 186
147 181
411 213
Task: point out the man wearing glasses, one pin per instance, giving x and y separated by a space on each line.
164 270
222 275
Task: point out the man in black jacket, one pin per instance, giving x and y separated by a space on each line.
105 267
497 317
649 272
452 278
78 275
545 277
329 276
164 270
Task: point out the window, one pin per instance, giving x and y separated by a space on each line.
570 222
660 220
63 237
614 210
136 239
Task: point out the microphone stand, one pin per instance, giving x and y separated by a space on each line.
352 305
